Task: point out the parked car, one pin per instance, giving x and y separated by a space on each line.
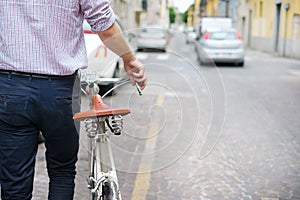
102 62
153 37
221 46
191 35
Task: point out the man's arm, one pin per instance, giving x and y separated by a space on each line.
113 38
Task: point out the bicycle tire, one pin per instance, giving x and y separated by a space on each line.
108 191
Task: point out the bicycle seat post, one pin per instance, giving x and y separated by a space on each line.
102 130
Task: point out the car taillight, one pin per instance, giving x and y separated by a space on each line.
206 36
88 32
238 36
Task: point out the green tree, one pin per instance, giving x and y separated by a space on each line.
184 16
172 15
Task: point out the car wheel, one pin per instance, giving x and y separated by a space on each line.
241 64
201 61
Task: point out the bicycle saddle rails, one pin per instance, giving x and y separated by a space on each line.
100 109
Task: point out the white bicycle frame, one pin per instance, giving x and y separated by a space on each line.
102 181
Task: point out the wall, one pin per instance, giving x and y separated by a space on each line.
212 8
265 31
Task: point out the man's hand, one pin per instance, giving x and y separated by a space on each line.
113 38
136 72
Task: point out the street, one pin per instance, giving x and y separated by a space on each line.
203 132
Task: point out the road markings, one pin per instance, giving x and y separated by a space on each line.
141 56
145 56
295 72
163 57
143 176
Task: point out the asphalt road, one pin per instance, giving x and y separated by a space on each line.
204 132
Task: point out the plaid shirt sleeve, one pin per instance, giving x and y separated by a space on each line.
98 14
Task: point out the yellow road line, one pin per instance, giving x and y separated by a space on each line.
143 176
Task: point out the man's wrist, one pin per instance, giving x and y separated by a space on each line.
127 57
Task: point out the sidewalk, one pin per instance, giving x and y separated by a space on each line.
259 53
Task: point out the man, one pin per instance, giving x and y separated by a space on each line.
41 48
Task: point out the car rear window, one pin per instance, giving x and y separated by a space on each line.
222 36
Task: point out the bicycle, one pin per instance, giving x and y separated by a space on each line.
102 181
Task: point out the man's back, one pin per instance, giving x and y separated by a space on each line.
44 36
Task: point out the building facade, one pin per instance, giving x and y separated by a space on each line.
212 8
127 10
215 8
157 13
134 14
271 25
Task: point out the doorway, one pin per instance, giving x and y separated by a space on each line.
277 26
243 26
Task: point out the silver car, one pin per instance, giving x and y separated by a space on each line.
191 35
152 37
221 46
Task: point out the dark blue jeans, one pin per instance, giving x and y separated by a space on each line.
29 105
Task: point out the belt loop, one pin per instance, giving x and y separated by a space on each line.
9 75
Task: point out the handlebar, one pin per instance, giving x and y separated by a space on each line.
93 85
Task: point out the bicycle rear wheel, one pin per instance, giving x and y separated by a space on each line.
109 192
